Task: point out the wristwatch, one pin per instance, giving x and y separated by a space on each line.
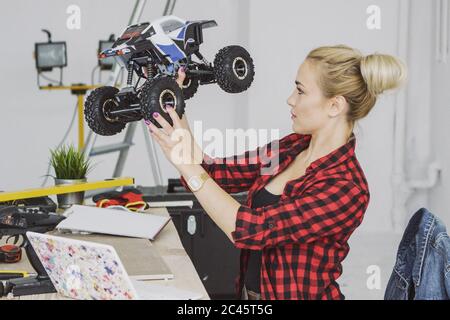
196 182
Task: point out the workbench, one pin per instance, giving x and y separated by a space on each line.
167 245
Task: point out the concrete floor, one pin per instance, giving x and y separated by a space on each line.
369 252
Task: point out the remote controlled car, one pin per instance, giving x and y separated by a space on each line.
154 52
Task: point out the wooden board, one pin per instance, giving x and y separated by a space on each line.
139 257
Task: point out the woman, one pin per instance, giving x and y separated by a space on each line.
294 228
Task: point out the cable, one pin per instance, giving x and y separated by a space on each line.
48 79
60 76
61 143
93 73
119 75
122 74
40 74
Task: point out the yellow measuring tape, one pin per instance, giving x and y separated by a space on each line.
61 189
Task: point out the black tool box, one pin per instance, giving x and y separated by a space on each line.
212 253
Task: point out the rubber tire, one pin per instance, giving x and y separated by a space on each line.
93 112
223 69
190 91
150 103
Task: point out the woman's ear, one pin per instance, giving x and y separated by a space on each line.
338 106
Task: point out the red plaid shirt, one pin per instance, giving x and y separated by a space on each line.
304 236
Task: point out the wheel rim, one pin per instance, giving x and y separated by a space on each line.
240 68
108 105
185 86
167 97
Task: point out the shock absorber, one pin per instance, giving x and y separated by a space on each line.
130 73
201 57
150 70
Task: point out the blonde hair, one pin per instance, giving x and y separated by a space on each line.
344 71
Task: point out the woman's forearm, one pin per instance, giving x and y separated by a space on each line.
218 204
180 148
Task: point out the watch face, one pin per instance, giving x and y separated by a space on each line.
194 183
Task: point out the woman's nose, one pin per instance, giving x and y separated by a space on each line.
291 101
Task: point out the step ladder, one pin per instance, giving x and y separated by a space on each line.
124 146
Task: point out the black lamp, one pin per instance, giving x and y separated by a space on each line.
50 54
107 63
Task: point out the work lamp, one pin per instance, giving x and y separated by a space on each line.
106 63
50 55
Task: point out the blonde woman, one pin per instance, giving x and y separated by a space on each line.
294 228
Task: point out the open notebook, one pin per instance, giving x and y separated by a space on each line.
113 222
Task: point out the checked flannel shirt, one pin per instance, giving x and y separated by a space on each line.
304 236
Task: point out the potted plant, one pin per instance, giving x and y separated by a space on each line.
71 167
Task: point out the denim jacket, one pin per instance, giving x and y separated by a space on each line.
422 268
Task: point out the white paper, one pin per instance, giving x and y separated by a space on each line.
113 222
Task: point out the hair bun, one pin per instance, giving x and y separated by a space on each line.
382 72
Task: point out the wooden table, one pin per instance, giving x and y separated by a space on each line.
169 247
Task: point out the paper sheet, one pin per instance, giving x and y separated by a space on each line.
113 222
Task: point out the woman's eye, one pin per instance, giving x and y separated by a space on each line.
300 91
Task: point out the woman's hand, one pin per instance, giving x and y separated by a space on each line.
176 141
180 79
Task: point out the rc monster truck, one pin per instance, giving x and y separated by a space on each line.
154 52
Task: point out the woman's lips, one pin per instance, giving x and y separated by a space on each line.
293 116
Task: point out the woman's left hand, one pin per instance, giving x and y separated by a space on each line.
176 141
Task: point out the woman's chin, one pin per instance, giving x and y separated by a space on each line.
300 130
296 128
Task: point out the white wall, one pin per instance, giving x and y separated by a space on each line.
440 106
